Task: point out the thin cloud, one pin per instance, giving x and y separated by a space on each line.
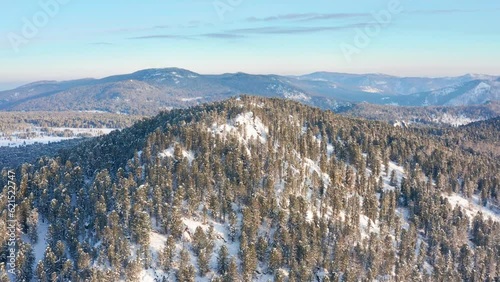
161 27
244 32
190 37
191 24
443 11
307 17
161 36
136 29
293 30
101 43
222 35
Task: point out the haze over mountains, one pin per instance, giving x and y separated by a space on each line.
148 91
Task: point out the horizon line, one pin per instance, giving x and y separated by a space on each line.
24 83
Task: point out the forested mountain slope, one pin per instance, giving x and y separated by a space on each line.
258 189
429 116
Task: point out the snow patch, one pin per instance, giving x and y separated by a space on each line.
455 120
246 126
191 99
289 93
41 245
169 153
370 89
472 207
444 91
37 135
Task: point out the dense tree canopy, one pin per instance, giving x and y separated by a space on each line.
254 188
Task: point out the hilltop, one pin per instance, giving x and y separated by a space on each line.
260 189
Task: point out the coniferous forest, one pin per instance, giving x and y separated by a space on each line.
258 189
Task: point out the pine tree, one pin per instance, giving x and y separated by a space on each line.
24 262
249 262
32 223
167 254
199 240
203 261
279 276
261 248
132 270
3 273
41 275
186 272
232 272
223 260
275 259
393 180
232 226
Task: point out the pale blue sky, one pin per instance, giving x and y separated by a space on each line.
98 38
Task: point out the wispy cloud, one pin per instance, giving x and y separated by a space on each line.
190 37
161 36
137 29
308 17
443 11
101 43
222 35
293 30
189 25
161 27
272 30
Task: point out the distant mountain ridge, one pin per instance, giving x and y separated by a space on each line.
150 90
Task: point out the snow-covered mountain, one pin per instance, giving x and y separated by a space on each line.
385 84
259 189
148 91
468 93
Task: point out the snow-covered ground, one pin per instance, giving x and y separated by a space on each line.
191 99
92 131
16 142
455 120
289 93
17 139
245 126
39 247
370 89
398 171
221 236
170 154
472 206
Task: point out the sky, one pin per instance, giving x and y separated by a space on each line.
70 39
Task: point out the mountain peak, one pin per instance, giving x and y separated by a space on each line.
147 73
479 76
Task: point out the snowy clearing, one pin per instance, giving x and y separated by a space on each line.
472 207
245 126
37 135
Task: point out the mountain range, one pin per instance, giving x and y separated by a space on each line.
148 91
